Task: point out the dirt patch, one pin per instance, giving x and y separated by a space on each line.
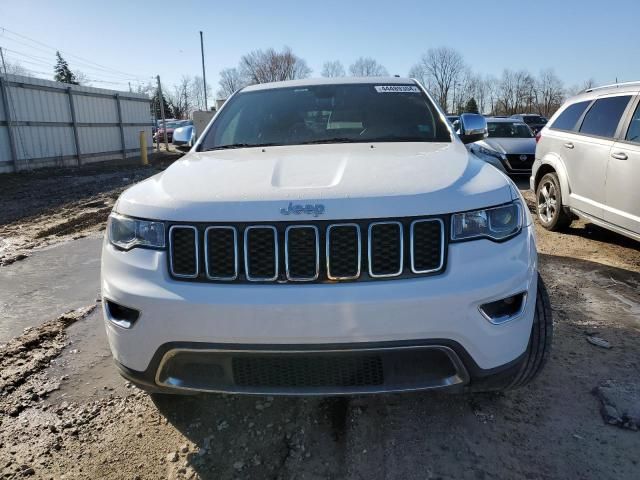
46 206
23 359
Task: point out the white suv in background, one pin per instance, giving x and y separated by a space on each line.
325 237
588 161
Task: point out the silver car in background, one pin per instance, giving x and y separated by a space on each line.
510 146
588 161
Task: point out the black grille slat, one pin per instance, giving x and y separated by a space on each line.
261 254
302 253
426 245
221 251
385 249
343 251
308 371
184 251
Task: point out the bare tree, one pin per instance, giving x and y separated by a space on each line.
419 74
261 66
230 81
576 89
197 93
333 69
367 67
180 98
14 68
550 92
444 67
517 92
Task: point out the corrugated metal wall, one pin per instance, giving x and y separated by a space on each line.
45 123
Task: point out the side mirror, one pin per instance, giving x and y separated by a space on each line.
473 127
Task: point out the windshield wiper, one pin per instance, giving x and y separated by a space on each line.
332 140
396 138
238 145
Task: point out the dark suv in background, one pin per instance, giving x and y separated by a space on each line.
535 122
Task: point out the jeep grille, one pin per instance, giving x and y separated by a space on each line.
322 251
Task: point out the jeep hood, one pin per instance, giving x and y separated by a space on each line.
351 181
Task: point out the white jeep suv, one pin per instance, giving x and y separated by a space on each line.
588 161
326 237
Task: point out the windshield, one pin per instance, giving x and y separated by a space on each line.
326 114
534 119
508 130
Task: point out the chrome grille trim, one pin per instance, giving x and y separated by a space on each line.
235 253
246 253
328 245
286 253
195 239
370 234
412 245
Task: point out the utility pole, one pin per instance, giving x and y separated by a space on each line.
164 120
204 75
4 65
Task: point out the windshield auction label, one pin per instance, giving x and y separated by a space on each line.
397 89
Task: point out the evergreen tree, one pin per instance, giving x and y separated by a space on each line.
155 106
62 72
471 106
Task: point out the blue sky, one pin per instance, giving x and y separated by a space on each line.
578 39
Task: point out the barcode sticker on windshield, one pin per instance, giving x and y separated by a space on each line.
397 89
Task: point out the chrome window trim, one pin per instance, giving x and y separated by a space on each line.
412 245
327 249
369 235
195 241
235 253
246 256
286 254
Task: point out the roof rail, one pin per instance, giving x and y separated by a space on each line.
621 84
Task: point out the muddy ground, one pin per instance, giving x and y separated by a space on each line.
47 206
65 413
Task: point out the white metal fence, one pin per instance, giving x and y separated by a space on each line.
45 124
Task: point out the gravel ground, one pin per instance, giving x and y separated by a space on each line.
64 412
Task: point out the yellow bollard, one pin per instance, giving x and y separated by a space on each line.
143 148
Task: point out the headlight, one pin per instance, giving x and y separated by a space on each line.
498 223
490 153
127 233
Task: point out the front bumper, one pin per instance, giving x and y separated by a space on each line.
439 311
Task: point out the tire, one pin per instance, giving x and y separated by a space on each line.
535 357
551 213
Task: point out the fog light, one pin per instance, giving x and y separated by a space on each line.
505 309
120 315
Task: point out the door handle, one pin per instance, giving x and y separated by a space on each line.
619 155
568 145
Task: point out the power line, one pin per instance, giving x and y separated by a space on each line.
89 63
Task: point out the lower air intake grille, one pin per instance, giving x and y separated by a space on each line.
308 371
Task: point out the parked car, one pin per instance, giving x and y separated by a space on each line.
325 237
170 127
535 122
510 146
184 136
588 161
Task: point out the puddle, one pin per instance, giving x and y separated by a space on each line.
50 282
